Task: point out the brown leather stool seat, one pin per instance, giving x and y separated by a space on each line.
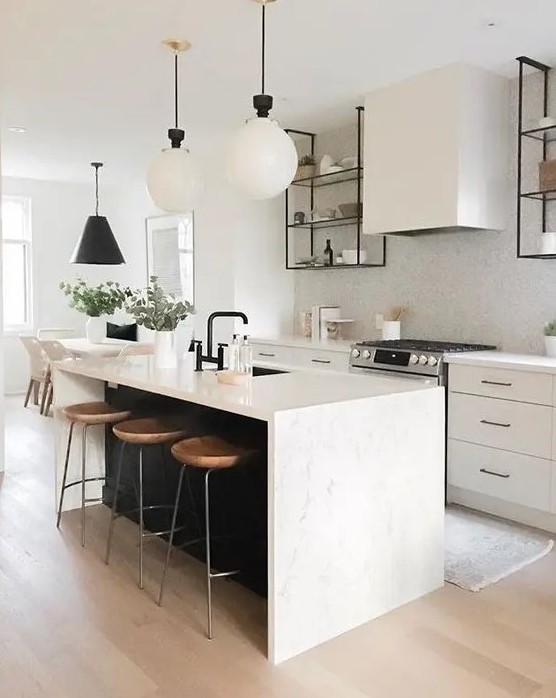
95 413
208 452
211 454
86 414
148 431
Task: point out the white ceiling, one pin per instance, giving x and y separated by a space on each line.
90 80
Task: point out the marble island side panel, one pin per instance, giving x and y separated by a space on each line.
356 497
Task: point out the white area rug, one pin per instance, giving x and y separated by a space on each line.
481 550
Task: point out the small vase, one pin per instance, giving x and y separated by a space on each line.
165 350
391 329
550 346
95 330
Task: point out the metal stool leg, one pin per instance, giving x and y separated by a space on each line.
83 483
171 539
114 505
65 476
141 520
207 538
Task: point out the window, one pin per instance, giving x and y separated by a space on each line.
16 262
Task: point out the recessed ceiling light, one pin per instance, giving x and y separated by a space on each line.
17 129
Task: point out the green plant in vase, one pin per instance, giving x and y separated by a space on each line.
161 312
550 338
95 302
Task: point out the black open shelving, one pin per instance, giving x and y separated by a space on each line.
544 135
327 223
354 174
325 180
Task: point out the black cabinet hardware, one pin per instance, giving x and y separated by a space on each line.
264 353
505 476
503 385
495 424
320 361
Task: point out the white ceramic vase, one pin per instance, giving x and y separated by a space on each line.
550 346
165 350
391 329
95 330
548 243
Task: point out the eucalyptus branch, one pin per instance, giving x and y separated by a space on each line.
155 309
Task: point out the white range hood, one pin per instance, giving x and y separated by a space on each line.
436 153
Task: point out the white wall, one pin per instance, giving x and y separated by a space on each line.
457 286
59 211
239 252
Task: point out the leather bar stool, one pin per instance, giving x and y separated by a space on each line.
141 433
87 414
211 454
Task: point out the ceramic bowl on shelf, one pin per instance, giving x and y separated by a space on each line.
351 210
350 256
350 163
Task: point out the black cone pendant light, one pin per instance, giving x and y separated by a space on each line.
97 244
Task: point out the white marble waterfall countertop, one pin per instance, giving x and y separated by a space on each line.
262 398
499 359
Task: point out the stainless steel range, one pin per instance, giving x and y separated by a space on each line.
410 358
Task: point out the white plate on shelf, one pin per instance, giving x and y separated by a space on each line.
325 164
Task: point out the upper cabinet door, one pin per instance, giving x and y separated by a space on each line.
436 153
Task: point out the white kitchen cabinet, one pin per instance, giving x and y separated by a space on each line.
502 440
301 354
435 153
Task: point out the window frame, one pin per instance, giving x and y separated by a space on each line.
26 243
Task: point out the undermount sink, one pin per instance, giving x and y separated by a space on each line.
261 371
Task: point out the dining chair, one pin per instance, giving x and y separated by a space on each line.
55 351
55 333
38 365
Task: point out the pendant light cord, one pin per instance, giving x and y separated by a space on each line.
96 166
176 88
263 49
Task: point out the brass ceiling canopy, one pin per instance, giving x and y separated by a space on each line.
180 45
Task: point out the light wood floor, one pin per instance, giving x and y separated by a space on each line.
72 627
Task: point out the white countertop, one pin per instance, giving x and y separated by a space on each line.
340 345
261 399
499 359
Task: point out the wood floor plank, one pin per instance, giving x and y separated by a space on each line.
71 626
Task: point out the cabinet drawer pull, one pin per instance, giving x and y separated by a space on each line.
492 472
320 361
495 424
503 385
264 353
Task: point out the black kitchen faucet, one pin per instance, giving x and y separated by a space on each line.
209 357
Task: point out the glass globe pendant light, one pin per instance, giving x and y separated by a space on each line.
174 180
263 158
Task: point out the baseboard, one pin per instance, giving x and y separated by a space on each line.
15 393
505 510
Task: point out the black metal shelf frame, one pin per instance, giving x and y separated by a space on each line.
354 174
544 135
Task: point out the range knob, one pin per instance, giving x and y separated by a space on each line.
356 353
366 354
413 359
423 360
433 360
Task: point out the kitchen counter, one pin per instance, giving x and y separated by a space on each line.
352 468
498 359
341 345
262 399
